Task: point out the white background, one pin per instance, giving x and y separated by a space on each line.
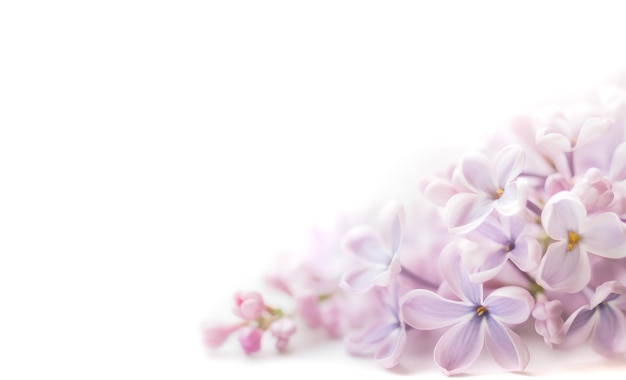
155 155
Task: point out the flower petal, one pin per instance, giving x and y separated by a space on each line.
604 235
578 327
453 271
509 163
466 211
591 130
369 339
510 304
513 199
362 279
439 191
389 353
460 346
366 244
553 141
506 347
494 261
562 213
617 171
563 270
609 336
526 254
478 173
393 218
425 310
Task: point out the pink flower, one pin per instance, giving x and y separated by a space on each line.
565 265
250 339
492 185
248 305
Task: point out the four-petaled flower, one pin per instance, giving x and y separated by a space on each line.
473 320
565 266
492 185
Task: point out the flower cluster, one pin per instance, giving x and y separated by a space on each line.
530 230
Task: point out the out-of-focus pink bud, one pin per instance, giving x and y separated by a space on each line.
548 321
248 305
250 339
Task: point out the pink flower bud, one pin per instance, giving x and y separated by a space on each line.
283 329
215 336
250 339
248 305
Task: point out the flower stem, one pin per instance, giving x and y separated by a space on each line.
530 205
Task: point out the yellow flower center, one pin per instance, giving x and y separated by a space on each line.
480 310
499 193
572 239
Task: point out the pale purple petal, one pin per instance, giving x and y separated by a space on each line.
509 163
609 336
457 277
425 310
509 304
395 266
592 130
439 191
466 211
553 141
492 229
513 199
564 212
563 270
388 355
608 291
578 327
369 340
494 261
604 235
527 253
617 171
478 173
506 347
393 222
361 279
460 346
365 243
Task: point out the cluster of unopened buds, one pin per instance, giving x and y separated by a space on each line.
530 230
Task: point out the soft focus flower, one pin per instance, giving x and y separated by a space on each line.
248 305
250 339
282 330
375 251
602 320
565 266
473 320
572 128
492 185
385 337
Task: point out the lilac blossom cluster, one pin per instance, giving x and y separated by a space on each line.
530 230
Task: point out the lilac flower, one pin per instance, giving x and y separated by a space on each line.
473 321
565 266
376 252
215 335
492 185
497 241
602 320
385 337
